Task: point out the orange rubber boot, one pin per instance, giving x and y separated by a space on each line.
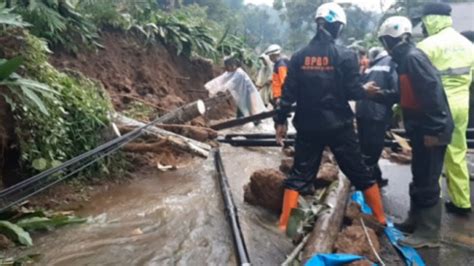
374 200
290 201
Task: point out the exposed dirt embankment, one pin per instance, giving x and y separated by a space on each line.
130 70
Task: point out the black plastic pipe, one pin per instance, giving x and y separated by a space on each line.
231 211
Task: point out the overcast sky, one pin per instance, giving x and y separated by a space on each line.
365 4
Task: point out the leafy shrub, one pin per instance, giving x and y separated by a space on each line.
58 22
74 119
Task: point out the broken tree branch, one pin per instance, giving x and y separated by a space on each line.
180 142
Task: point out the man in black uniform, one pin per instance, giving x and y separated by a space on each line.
374 115
429 125
322 78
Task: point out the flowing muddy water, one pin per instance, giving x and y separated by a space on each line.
172 218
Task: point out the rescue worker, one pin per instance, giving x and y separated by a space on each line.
470 36
374 115
429 127
280 70
453 55
363 60
264 78
322 77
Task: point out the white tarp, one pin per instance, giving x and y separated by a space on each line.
242 89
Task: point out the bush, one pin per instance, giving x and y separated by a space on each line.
74 116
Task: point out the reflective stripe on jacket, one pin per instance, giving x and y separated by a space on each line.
279 75
383 72
453 55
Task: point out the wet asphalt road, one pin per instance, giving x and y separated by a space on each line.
457 232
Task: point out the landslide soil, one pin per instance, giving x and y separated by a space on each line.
130 70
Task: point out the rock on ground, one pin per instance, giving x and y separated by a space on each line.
265 189
286 165
352 240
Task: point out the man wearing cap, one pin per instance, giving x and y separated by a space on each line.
453 55
280 69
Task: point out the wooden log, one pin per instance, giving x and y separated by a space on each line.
194 132
328 224
180 142
186 113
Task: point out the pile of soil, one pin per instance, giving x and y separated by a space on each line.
352 240
129 70
265 189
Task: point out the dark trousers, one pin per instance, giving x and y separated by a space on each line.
372 140
426 168
343 143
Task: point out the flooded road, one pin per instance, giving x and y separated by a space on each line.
172 218
457 232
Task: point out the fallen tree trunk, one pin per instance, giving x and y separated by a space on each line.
328 224
186 113
194 132
177 141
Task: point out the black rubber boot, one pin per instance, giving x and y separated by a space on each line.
428 226
409 225
450 207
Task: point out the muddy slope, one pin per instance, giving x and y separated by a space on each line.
128 69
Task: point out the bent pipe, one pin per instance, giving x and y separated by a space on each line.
231 211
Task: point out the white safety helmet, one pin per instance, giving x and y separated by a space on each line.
396 27
331 12
273 49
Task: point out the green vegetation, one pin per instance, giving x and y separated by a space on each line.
72 109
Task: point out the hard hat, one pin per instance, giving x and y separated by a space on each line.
273 49
331 12
395 27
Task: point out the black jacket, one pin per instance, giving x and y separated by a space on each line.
383 72
422 97
322 78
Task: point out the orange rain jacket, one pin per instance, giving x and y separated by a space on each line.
280 70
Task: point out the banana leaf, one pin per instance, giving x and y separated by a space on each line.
15 233
45 223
